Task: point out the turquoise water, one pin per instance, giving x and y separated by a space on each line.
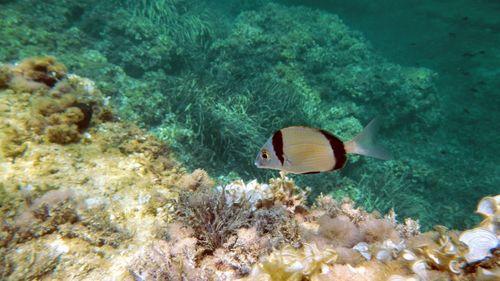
216 79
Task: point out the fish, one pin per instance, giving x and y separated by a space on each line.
306 150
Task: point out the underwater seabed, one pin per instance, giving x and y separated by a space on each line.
229 72
85 196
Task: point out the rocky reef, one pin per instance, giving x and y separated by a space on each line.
247 68
72 176
86 196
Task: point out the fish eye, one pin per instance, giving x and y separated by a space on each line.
264 154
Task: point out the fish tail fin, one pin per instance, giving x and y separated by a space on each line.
362 144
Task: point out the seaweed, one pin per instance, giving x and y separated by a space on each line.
211 217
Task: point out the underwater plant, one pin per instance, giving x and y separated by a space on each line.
212 219
294 265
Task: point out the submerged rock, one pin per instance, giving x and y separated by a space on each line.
84 196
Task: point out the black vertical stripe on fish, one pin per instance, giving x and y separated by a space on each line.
338 149
278 146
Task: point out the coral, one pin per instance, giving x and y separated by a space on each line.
229 228
348 225
216 214
12 141
287 193
58 211
273 206
349 273
410 228
32 263
96 228
468 253
345 208
62 134
154 263
158 262
212 219
279 224
270 210
340 230
72 207
239 253
253 192
378 230
294 264
349 256
389 254
171 259
44 216
198 179
62 106
44 70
